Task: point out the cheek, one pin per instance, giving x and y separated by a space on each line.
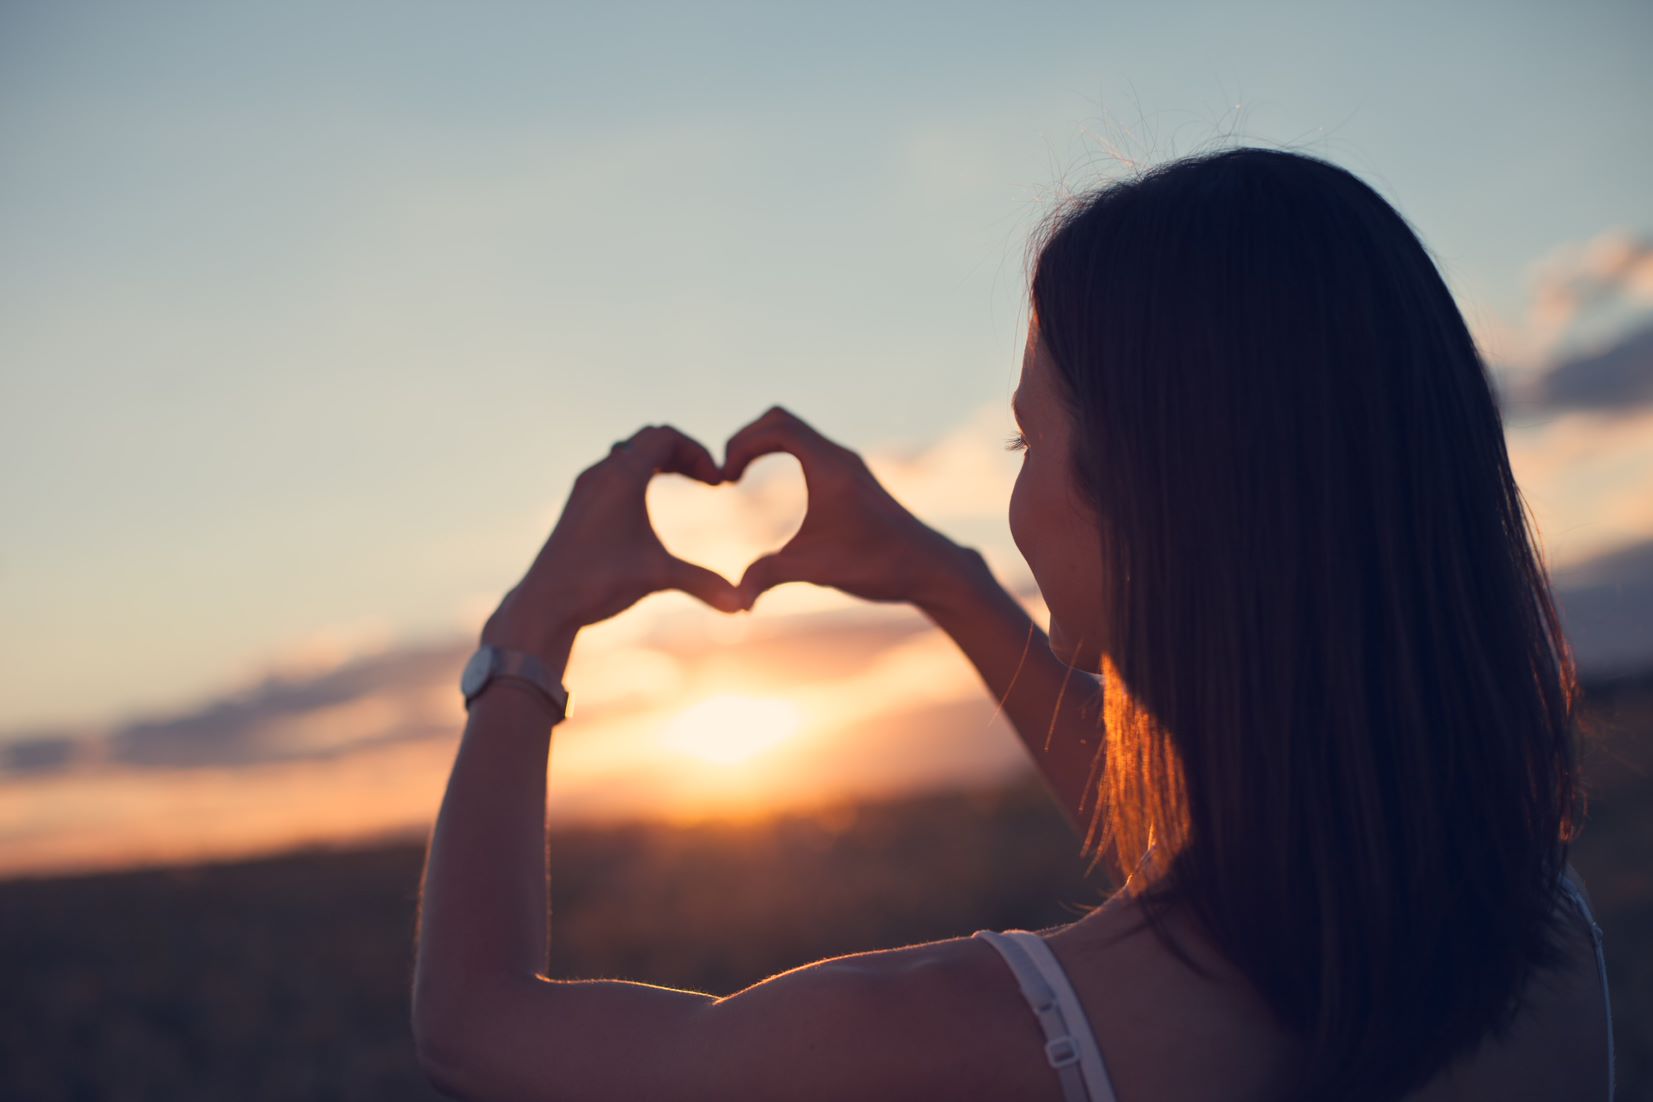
1019 509
1038 535
1020 514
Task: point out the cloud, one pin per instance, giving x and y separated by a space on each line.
326 648
964 477
48 753
347 688
1613 379
1583 298
235 730
1588 478
289 713
363 748
1607 610
1615 265
338 717
411 693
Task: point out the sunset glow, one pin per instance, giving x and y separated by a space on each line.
728 729
191 678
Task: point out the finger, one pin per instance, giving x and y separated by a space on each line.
765 573
707 585
777 430
664 449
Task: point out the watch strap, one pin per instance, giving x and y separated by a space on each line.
517 665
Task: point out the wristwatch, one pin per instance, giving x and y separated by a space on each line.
492 661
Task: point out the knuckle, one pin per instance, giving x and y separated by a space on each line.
604 469
844 460
659 574
845 479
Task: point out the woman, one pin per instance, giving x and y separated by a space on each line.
1324 715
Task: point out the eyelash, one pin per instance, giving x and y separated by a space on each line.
1015 442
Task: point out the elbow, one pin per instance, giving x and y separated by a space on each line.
453 1066
440 1079
461 1038
440 1061
441 1044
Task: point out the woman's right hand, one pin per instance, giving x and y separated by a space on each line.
855 537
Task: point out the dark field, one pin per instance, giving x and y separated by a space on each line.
287 978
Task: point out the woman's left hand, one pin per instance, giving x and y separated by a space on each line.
603 556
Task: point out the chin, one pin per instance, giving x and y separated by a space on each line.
1088 659
1059 645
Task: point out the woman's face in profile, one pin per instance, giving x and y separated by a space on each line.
1054 528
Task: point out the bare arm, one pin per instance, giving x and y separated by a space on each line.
1054 707
936 1020
939 1020
856 537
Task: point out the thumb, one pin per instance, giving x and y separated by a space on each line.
707 585
764 573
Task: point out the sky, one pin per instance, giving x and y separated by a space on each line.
310 314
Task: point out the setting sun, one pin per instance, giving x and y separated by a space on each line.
727 729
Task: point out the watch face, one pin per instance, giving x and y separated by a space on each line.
476 670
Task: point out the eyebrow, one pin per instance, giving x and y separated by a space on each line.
1015 410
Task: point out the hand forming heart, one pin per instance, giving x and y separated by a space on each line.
603 556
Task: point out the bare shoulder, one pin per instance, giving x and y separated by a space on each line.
942 1019
1165 1030
1169 1033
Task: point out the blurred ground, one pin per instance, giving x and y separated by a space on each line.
286 978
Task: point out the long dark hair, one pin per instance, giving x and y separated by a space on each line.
1338 700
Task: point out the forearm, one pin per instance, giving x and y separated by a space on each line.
483 913
1054 708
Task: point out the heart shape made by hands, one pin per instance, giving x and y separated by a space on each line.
728 526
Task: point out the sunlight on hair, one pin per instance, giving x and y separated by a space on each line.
728 729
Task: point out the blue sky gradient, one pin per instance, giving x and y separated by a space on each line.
309 314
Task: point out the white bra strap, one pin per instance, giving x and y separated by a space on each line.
1583 905
1090 1056
1060 1048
